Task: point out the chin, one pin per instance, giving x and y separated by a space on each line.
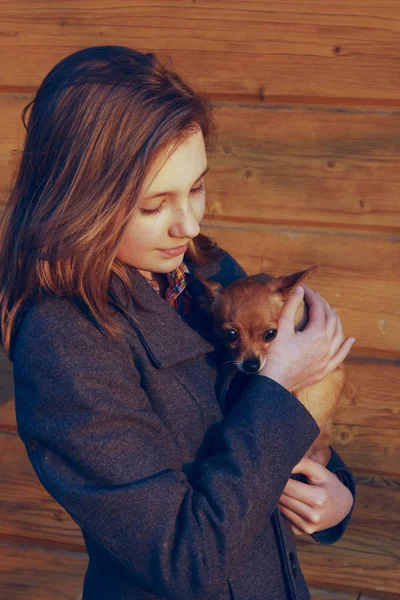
172 259
166 265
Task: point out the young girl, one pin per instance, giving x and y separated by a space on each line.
117 378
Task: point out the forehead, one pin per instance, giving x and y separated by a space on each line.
177 167
250 306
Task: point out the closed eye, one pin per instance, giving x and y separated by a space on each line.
146 211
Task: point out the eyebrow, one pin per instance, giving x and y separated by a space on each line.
165 193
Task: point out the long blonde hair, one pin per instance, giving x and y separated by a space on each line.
99 121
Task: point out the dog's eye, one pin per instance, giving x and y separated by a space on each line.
230 335
270 335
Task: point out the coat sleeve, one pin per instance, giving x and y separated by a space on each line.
101 451
337 466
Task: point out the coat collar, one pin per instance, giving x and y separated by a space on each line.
167 337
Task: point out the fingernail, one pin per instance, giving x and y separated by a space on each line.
299 289
352 340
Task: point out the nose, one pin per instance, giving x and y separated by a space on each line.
185 224
251 366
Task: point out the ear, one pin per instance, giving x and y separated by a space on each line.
284 285
211 290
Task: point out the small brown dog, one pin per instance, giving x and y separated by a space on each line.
245 321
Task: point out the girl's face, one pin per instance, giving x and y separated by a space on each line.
173 217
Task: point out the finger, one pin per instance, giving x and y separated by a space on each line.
322 456
331 318
312 495
317 316
306 512
295 530
293 527
286 319
339 326
313 470
304 527
340 355
338 337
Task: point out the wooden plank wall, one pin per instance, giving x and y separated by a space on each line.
306 170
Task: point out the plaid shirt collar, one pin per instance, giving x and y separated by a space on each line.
177 293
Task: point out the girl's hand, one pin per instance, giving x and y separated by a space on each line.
297 359
323 504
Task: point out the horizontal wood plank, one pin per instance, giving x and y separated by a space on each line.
370 397
306 166
368 450
33 573
368 597
329 594
345 569
260 50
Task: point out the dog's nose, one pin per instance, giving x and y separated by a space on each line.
251 366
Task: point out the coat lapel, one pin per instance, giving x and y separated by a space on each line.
168 338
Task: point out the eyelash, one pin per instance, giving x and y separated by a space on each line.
146 211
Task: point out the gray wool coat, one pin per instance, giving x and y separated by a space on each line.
171 466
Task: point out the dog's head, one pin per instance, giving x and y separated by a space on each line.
246 314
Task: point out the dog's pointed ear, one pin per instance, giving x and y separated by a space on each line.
211 291
285 284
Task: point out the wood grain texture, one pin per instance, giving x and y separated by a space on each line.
306 166
368 449
35 573
346 570
371 394
329 594
258 49
368 597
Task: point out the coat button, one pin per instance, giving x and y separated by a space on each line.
293 564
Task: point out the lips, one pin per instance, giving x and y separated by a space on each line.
174 251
